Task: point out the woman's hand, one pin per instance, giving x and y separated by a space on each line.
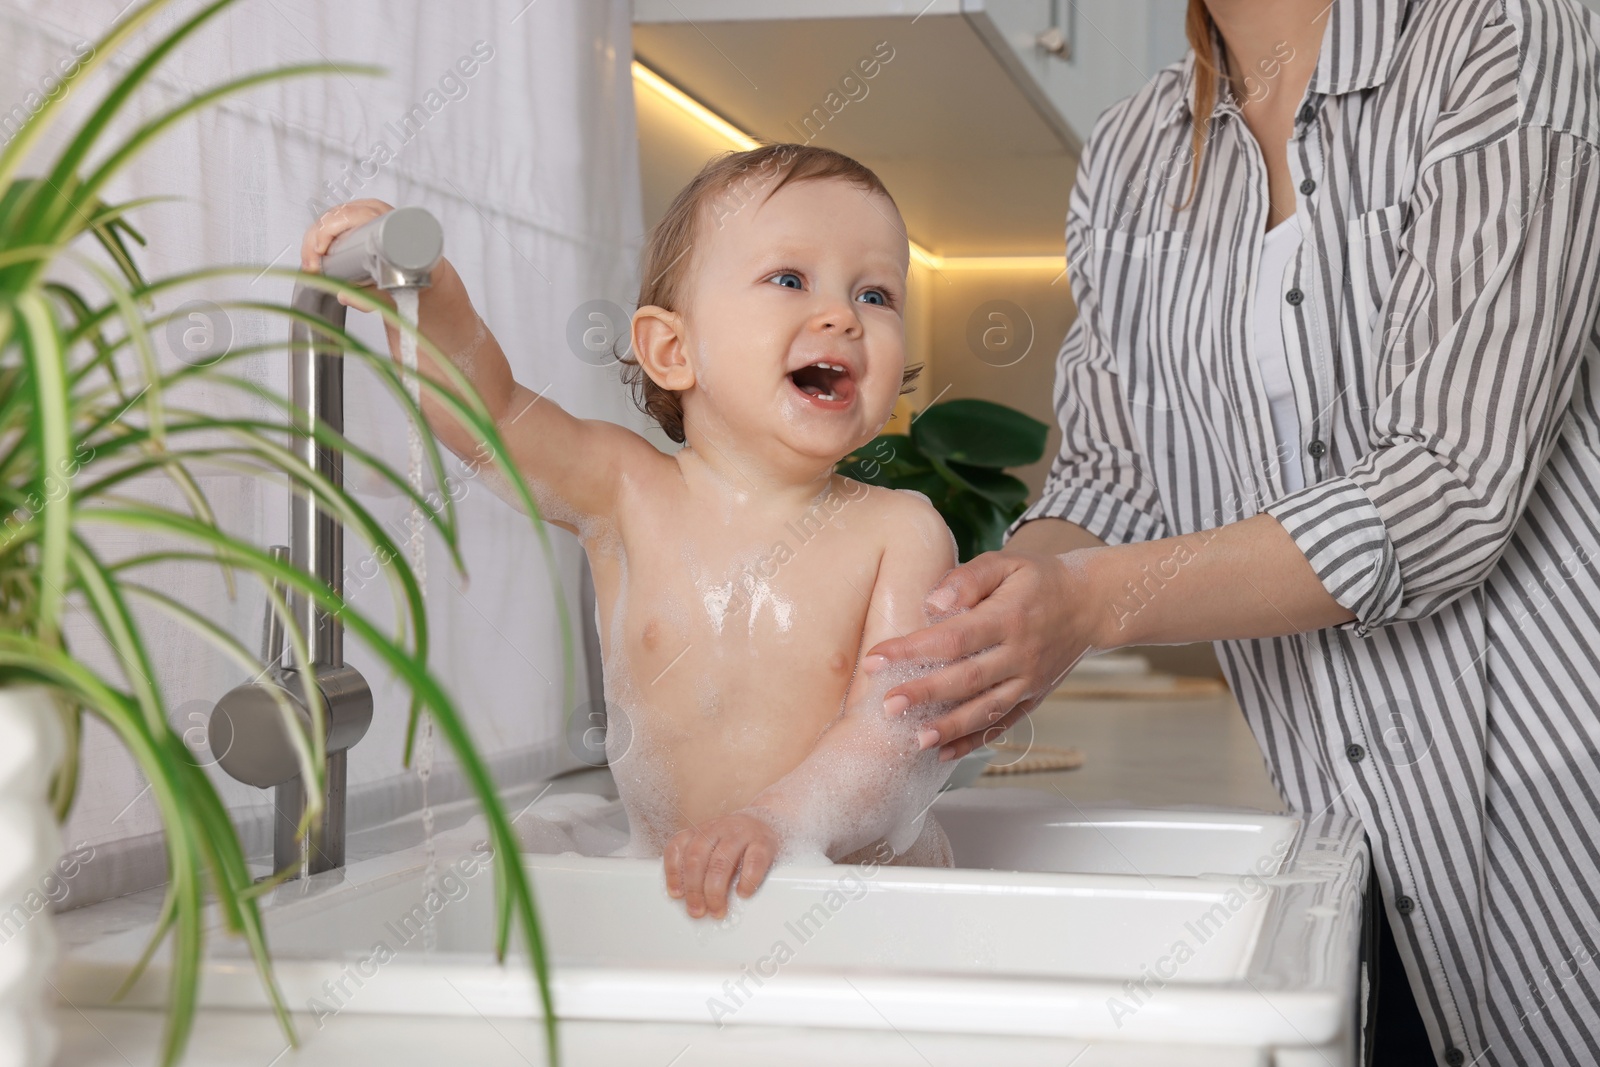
1029 618
702 860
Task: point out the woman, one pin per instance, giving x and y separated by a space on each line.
1331 396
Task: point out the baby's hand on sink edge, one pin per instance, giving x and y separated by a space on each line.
701 862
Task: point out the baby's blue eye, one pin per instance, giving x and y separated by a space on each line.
873 296
789 280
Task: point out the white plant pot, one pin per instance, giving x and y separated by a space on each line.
31 747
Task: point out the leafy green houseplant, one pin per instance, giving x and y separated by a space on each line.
956 454
86 407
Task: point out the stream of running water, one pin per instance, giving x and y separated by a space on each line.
406 304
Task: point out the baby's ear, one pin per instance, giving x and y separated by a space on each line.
658 346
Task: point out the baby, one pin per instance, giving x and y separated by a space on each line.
740 579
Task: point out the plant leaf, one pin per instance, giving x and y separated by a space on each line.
979 432
984 524
46 362
1003 490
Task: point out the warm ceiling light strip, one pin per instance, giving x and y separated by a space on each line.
693 108
1051 263
744 142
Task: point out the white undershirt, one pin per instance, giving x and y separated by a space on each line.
1278 247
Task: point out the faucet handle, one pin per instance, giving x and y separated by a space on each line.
272 624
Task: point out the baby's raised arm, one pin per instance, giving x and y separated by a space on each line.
866 780
571 464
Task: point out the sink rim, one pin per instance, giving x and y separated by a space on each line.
1305 945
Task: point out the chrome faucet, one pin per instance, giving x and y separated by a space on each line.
247 731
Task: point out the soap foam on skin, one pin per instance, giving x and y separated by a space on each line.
642 782
848 786
467 358
715 599
832 814
757 593
782 608
551 507
748 589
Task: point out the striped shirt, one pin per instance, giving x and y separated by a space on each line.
1439 321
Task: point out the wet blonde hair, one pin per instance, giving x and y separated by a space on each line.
731 178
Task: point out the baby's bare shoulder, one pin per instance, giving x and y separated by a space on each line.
915 551
909 525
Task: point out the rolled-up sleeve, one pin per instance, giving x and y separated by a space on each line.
1486 323
1099 480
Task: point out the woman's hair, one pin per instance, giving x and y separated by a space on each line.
1198 29
724 186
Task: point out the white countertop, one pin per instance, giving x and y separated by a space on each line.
1194 751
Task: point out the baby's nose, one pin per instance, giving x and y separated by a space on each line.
839 320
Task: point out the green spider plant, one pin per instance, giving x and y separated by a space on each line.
84 407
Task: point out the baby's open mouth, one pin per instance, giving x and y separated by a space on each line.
827 385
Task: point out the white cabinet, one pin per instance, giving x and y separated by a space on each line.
1112 47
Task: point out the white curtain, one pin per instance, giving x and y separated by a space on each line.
513 123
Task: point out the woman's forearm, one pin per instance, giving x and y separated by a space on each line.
1246 579
1021 618
1051 537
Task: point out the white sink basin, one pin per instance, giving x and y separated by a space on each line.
1205 928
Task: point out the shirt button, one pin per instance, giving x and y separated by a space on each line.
1316 449
1355 752
1307 113
1405 905
1454 1057
1308 187
1294 296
